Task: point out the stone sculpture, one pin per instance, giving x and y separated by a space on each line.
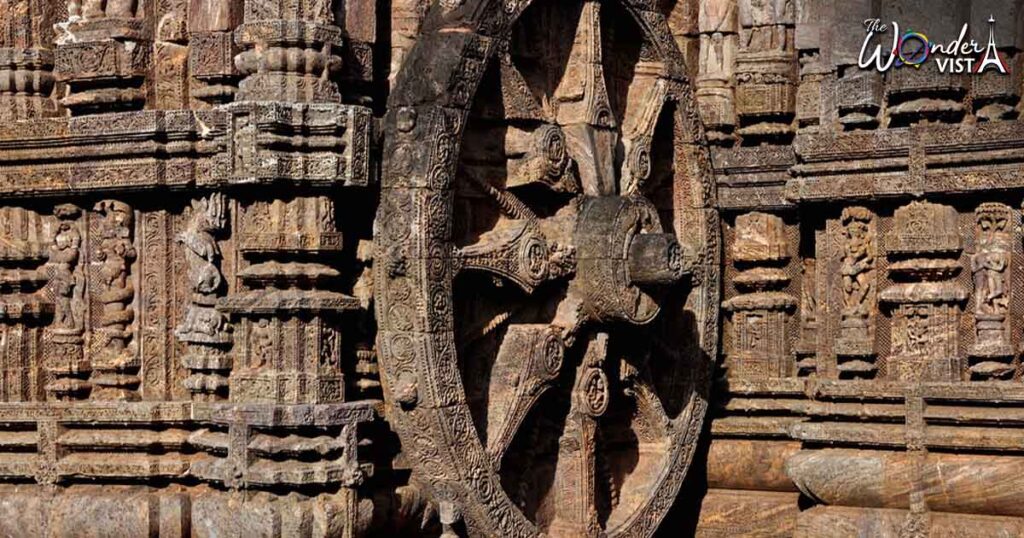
484 267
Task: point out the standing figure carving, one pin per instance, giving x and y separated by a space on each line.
990 262
116 364
66 282
66 364
990 266
858 282
858 265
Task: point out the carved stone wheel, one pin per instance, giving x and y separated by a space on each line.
545 340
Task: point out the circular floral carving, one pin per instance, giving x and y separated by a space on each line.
554 352
401 317
403 349
640 162
594 392
535 258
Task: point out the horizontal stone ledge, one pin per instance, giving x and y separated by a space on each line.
245 143
728 513
98 413
747 464
844 522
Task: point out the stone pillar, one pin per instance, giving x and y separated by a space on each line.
758 315
291 51
924 248
718 26
287 316
104 52
285 309
766 70
26 59
212 51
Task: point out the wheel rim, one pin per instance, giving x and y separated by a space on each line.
465 397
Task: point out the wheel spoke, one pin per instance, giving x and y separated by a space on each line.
529 360
576 470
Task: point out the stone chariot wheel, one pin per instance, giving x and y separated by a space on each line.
546 268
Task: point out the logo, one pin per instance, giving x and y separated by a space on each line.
913 48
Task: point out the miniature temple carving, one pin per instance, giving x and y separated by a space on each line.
104 54
759 314
926 301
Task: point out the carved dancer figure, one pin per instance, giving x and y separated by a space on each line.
857 265
990 262
990 268
66 281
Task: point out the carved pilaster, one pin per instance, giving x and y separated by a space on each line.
291 51
758 315
995 95
925 301
807 343
204 329
858 92
367 369
65 354
26 60
810 40
719 38
115 358
104 53
288 319
23 305
923 93
855 346
766 70
212 51
358 21
991 266
170 55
